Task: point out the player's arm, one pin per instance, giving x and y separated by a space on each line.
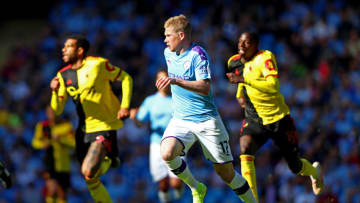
202 83
117 74
39 141
240 96
269 83
200 86
133 113
59 94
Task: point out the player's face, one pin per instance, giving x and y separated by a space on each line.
172 39
247 47
70 51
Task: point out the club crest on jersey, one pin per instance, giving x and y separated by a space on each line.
186 65
69 82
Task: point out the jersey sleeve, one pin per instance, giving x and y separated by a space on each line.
269 66
239 93
114 73
59 98
143 114
202 67
39 140
269 83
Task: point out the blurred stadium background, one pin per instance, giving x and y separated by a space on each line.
317 46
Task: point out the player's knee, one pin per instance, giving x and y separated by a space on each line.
167 155
164 185
295 165
246 145
87 172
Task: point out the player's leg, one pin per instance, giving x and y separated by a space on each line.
5 176
287 140
176 141
50 185
159 172
214 141
164 194
178 187
239 185
62 185
94 165
252 138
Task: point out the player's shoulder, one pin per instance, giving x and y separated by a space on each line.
198 50
264 54
65 68
95 59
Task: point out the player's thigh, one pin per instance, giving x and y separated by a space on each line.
214 140
178 137
252 137
285 137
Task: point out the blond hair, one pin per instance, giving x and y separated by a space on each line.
179 23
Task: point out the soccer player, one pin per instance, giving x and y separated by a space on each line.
266 113
5 176
195 115
156 109
56 136
87 81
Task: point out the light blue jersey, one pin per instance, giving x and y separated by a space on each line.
192 65
157 110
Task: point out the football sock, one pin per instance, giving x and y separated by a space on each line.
164 196
97 190
249 173
179 168
104 167
241 188
61 201
49 199
307 169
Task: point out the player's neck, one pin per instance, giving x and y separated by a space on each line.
77 64
186 46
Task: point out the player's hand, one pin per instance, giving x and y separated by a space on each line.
233 78
241 101
133 112
123 114
163 82
55 84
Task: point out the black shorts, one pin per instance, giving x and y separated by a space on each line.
282 132
84 140
63 178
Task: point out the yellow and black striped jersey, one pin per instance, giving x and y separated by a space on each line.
261 90
90 89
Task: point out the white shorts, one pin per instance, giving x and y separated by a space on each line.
158 167
211 134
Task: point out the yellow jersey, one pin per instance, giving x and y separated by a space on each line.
261 91
58 154
90 89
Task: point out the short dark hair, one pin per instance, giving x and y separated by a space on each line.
81 41
254 37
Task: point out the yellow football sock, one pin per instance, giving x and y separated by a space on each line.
104 167
61 201
307 169
98 191
49 199
249 173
